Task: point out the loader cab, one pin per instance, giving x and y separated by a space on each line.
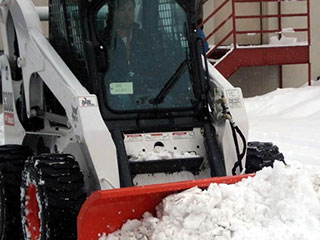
146 58
142 59
151 86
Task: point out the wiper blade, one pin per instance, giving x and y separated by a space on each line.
171 82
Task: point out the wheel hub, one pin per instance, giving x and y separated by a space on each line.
32 212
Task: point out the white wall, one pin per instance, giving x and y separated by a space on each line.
315 38
44 24
256 80
297 75
209 26
223 13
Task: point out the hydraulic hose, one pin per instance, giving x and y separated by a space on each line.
236 130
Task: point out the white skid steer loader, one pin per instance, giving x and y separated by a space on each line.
116 83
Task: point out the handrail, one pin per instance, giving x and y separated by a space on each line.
219 26
271 31
213 13
272 15
309 40
235 18
234 25
214 31
220 43
280 16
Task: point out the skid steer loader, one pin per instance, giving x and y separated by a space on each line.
117 82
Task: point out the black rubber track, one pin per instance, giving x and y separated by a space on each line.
12 159
3 217
60 188
262 154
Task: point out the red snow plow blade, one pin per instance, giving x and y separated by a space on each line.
105 211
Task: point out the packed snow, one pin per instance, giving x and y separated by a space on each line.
279 203
283 40
290 118
159 153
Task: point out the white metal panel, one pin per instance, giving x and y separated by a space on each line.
236 106
13 130
182 141
37 55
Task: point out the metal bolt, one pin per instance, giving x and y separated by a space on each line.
21 62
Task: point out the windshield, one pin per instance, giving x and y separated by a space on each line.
146 43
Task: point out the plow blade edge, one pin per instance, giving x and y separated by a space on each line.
105 211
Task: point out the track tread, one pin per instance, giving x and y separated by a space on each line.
12 159
262 154
61 189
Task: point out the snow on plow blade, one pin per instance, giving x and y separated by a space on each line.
105 211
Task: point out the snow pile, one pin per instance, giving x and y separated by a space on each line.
283 39
159 153
287 30
280 203
274 40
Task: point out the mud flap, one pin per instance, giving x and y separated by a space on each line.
105 211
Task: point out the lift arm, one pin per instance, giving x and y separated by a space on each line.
20 18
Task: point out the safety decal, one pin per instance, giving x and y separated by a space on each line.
157 136
234 98
88 101
183 135
9 119
133 137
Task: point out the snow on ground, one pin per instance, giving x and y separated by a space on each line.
290 118
280 203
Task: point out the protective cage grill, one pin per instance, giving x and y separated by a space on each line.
65 35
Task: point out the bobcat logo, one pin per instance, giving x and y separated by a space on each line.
87 101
